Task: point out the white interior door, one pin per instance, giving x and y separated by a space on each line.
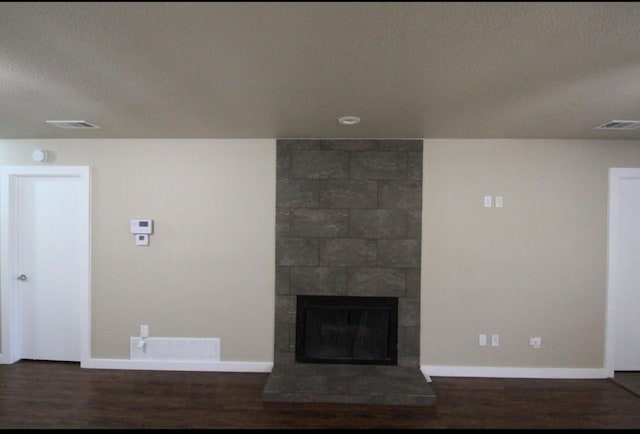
46 275
47 256
624 269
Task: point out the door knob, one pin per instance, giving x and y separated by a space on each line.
22 277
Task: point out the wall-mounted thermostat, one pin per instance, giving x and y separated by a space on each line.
141 226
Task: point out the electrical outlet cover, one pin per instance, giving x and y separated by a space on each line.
535 342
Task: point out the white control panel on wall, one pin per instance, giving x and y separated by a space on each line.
141 226
141 229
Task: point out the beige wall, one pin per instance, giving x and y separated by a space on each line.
536 267
209 268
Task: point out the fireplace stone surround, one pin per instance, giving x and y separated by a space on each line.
348 223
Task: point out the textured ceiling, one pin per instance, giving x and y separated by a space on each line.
276 70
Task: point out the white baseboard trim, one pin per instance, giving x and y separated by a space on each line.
177 365
506 372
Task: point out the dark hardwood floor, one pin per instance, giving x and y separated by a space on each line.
63 395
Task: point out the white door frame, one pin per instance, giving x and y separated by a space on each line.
616 177
9 315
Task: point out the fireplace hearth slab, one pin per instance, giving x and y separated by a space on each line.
348 384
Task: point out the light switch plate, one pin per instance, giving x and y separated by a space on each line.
495 340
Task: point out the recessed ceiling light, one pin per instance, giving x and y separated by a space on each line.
349 120
76 125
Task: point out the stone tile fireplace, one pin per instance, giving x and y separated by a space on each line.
348 229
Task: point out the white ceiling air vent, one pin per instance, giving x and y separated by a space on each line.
619 125
74 125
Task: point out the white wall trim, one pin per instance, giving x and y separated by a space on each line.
427 370
177 365
509 372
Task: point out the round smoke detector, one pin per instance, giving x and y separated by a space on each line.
39 156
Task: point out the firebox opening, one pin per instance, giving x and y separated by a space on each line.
350 330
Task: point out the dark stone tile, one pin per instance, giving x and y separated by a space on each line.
282 280
399 253
282 222
283 146
369 189
348 253
413 282
290 329
319 164
344 371
296 251
275 384
414 223
408 361
297 193
378 165
286 309
401 145
296 144
319 222
282 339
400 194
310 383
404 400
397 372
377 223
351 145
361 385
354 399
415 165
318 280
323 398
409 312
284 359
348 194
376 282
283 160
409 341
388 385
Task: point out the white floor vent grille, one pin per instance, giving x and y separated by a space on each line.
204 349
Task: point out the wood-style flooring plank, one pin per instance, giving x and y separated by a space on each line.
50 395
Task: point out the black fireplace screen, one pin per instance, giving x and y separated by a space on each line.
353 330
